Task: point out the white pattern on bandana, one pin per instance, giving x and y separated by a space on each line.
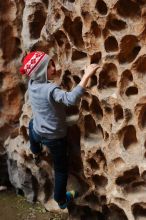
30 65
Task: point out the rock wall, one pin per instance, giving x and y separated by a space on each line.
107 130
12 87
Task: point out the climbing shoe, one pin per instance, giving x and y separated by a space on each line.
70 196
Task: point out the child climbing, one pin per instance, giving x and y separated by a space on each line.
48 126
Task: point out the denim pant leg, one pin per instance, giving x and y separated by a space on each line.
35 140
59 152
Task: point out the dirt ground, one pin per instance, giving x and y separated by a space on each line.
15 207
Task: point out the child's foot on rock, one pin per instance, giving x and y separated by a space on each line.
70 196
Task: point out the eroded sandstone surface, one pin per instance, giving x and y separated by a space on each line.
107 131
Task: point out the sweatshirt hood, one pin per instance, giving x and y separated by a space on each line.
35 65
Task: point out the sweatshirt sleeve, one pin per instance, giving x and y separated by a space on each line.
68 98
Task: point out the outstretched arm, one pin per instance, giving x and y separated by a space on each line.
72 97
89 71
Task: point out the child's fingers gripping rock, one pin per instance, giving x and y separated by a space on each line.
91 69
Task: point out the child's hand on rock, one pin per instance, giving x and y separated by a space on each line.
90 70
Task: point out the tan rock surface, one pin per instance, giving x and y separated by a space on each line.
107 131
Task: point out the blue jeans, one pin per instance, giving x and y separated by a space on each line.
58 149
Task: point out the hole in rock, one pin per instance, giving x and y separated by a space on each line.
95 29
132 90
57 17
101 7
9 43
74 151
113 212
37 21
82 73
138 183
14 133
85 213
140 64
115 24
106 136
107 108
77 55
143 175
105 32
48 187
141 117
139 211
5 131
5 6
90 125
47 181
92 198
17 52
74 30
2 75
96 108
100 158
71 1
93 81
100 181
1 101
118 112
31 182
141 2
128 8
103 200
100 132
86 15
108 76
23 131
13 101
41 46
111 44
129 49
66 81
76 79
86 94
85 105
128 177
96 57
60 38
93 163
4 176
127 114
145 144
13 163
22 87
72 110
129 136
46 2
126 78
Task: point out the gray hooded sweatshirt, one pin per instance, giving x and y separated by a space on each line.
48 103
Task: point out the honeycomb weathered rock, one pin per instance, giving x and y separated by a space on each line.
107 131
